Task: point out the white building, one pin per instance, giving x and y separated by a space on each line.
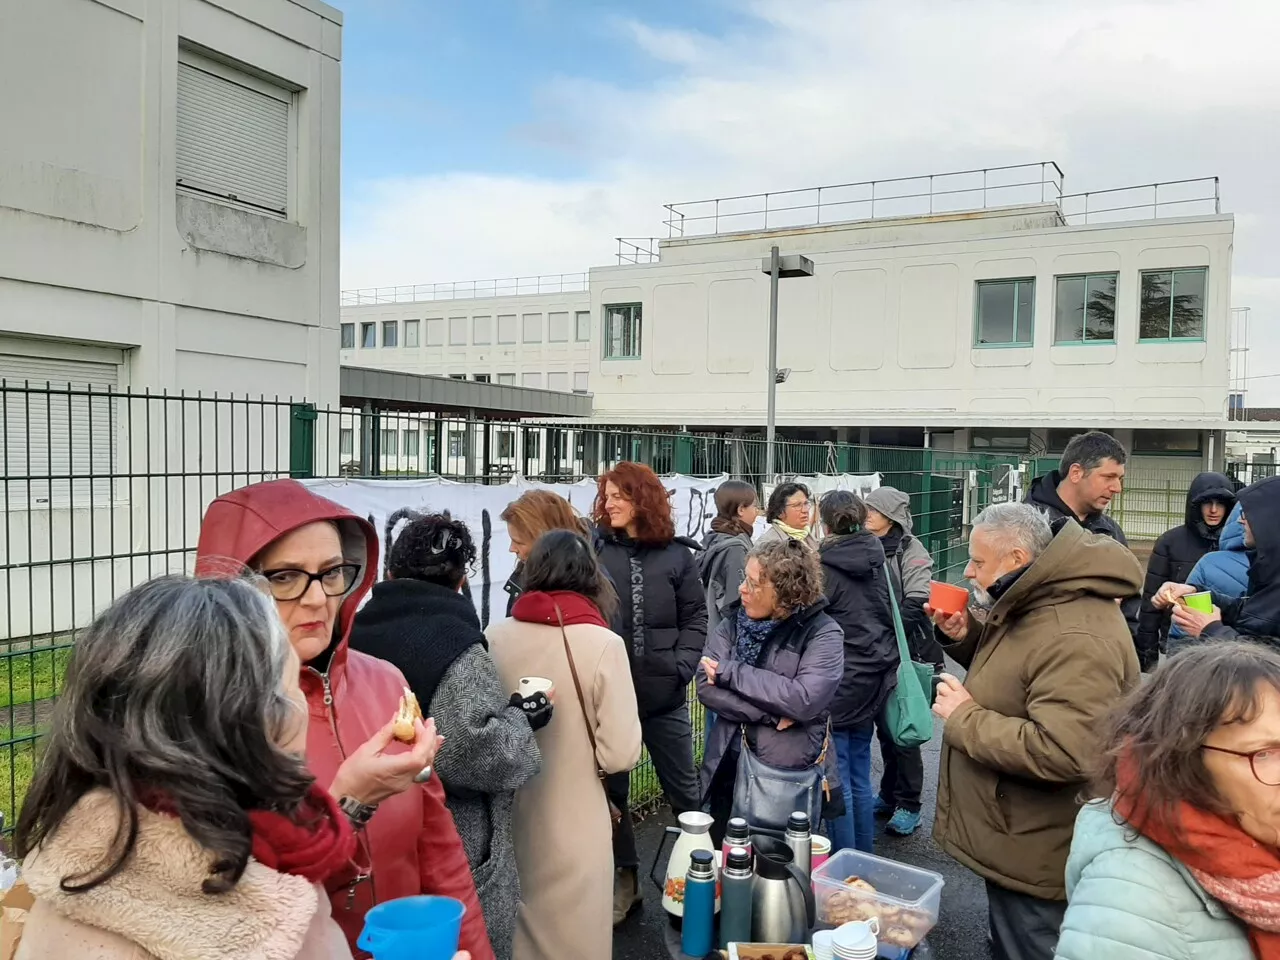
169 194
168 224
527 332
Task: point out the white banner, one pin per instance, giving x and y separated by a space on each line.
387 504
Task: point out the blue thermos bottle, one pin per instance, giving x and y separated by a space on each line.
697 935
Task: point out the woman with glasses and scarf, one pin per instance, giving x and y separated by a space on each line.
422 620
1182 860
790 515
319 561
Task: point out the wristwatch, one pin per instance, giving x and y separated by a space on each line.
358 813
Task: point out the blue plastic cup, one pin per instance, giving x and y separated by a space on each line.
413 928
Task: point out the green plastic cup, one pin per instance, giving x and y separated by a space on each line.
1201 602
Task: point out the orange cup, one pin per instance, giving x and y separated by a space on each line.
947 598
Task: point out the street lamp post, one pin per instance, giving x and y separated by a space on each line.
778 268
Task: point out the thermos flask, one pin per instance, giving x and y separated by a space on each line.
735 898
697 934
800 841
736 834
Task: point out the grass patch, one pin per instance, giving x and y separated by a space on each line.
17 767
31 674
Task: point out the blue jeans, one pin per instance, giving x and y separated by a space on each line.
856 829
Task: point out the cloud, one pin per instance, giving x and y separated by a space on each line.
831 91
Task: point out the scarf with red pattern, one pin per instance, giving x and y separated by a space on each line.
1231 866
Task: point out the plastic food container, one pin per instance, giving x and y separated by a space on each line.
904 899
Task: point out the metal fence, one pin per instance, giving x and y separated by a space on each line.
104 490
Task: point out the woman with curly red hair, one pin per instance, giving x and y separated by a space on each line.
662 616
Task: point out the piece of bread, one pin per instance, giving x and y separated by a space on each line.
409 712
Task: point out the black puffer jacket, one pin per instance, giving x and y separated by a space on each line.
665 641
1044 494
1177 552
1257 613
853 570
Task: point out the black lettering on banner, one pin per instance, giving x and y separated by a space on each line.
697 509
486 530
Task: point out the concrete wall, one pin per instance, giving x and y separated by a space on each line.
553 362
99 246
883 333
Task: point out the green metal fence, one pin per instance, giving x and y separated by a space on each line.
103 490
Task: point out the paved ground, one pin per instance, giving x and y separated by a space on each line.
961 933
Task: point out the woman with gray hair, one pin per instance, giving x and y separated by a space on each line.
173 815
770 670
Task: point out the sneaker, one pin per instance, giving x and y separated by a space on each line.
903 823
626 895
883 811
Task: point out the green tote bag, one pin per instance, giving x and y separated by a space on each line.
908 711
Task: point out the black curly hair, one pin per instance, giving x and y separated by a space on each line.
433 548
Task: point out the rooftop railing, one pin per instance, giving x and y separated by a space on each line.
1171 198
927 195
467 289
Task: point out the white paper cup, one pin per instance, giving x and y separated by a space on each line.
531 685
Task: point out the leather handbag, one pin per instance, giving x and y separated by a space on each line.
615 814
766 796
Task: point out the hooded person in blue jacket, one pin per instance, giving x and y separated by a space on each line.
1224 572
1209 499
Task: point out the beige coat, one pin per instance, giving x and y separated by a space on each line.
154 908
561 824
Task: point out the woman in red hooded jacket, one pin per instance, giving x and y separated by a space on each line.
320 560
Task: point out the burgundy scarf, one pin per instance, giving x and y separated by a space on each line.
315 843
540 607
1232 867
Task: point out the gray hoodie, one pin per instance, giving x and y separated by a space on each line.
911 568
722 564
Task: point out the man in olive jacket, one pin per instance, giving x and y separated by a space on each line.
1048 654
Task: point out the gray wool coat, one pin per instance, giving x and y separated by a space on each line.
489 752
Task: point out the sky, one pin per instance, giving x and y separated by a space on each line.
502 138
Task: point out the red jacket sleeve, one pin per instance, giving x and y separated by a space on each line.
445 871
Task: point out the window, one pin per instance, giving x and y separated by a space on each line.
1167 441
411 442
507 328
482 330
507 379
582 326
580 381
413 333
1172 305
1056 440
1004 441
532 326
532 444
368 335
390 333
1006 312
457 376
531 380
558 381
1085 309
481 378
348 336
232 135
456 438
346 442
622 331
435 332
506 444
557 327
389 442
457 331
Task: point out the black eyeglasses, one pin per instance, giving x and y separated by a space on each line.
293 584
1264 763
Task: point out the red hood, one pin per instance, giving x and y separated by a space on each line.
240 525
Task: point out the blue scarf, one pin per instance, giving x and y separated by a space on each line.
750 638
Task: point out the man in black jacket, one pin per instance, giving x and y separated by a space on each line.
1089 477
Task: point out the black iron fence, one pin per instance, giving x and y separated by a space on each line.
103 490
